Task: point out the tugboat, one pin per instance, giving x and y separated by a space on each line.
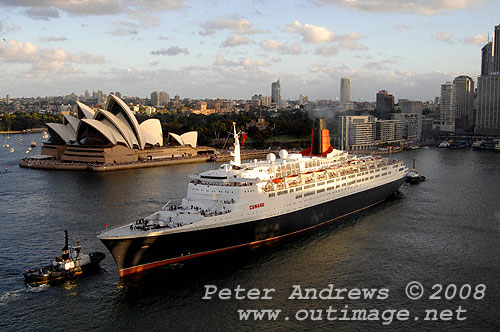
71 263
413 177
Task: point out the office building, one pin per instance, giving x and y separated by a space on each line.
276 92
155 99
356 132
345 90
447 107
412 107
464 103
487 120
385 104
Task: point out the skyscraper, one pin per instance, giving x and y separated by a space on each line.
488 88
155 99
464 103
447 107
496 49
345 90
385 104
487 59
276 92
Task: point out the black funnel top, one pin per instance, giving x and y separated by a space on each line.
319 124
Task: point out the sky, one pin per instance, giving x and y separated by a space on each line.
235 49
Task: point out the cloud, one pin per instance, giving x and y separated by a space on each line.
251 63
419 7
162 37
236 40
52 39
44 61
311 34
42 13
476 40
174 50
124 28
96 7
334 49
273 45
383 64
444 37
401 27
154 63
238 26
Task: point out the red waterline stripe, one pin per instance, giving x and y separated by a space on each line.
148 266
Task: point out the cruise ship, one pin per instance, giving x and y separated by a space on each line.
244 204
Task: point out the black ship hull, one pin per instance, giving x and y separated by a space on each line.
133 255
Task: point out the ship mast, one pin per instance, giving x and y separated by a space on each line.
236 154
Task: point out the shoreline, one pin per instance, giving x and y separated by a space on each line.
58 165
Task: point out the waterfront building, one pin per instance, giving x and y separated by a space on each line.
388 131
110 136
409 126
464 103
385 104
488 105
276 92
487 119
356 132
447 108
412 107
345 90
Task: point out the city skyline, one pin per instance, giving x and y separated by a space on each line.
214 49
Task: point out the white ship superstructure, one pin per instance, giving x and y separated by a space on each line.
272 189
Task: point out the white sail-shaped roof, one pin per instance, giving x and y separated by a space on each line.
151 129
189 138
71 121
121 126
83 111
102 128
118 106
64 132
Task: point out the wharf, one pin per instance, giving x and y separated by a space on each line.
92 167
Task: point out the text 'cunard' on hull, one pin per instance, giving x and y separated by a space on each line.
241 205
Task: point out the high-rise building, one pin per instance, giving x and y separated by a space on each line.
412 107
496 49
356 132
487 59
164 98
276 92
345 90
488 105
464 103
447 107
155 99
487 120
7 99
87 94
385 104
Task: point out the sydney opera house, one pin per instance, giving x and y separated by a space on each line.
112 136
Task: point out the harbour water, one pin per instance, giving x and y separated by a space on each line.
444 231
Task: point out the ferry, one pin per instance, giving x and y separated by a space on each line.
244 204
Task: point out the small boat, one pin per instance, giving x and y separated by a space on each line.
71 263
45 135
33 143
413 177
444 144
6 145
21 138
11 150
